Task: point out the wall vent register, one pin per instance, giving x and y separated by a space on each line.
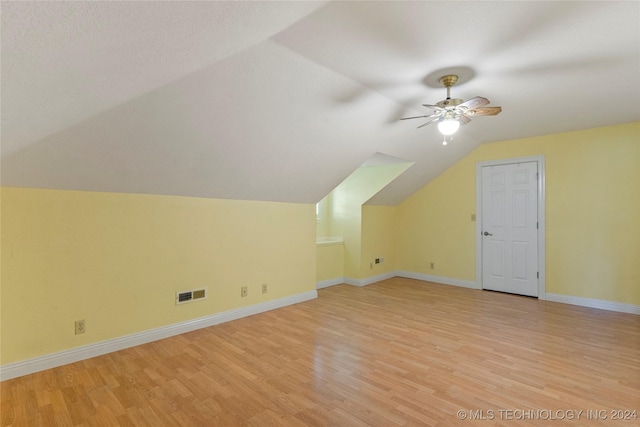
190 296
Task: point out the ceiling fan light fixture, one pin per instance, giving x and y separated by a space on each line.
448 126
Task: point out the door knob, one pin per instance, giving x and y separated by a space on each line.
486 233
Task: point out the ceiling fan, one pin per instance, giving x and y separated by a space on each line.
451 113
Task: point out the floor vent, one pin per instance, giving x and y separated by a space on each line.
189 296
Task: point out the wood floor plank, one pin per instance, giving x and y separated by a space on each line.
396 353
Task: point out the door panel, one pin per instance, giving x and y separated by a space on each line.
520 260
497 208
509 224
496 248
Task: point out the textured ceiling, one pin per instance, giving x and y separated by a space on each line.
282 100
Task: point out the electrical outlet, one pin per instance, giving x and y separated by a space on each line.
432 265
377 260
80 327
264 288
244 291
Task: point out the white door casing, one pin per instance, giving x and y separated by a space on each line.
510 253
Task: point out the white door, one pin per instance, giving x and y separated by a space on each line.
510 228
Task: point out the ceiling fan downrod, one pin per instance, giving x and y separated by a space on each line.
448 81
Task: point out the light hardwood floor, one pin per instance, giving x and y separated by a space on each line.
396 353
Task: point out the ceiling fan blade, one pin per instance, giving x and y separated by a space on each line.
435 107
463 119
484 111
424 124
472 103
420 117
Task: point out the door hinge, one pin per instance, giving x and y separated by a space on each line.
537 274
537 225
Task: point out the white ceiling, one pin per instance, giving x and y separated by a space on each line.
282 100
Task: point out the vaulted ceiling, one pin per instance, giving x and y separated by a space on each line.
281 101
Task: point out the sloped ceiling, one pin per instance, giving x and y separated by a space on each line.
281 101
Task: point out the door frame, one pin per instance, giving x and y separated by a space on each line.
539 159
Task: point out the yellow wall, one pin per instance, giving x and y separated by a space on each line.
434 226
378 240
592 214
329 262
116 260
342 210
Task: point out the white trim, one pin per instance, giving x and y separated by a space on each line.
49 361
329 282
438 279
369 280
541 218
595 303
329 240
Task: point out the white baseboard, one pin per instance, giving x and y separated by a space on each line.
437 279
594 303
384 276
369 280
49 361
329 282
355 282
